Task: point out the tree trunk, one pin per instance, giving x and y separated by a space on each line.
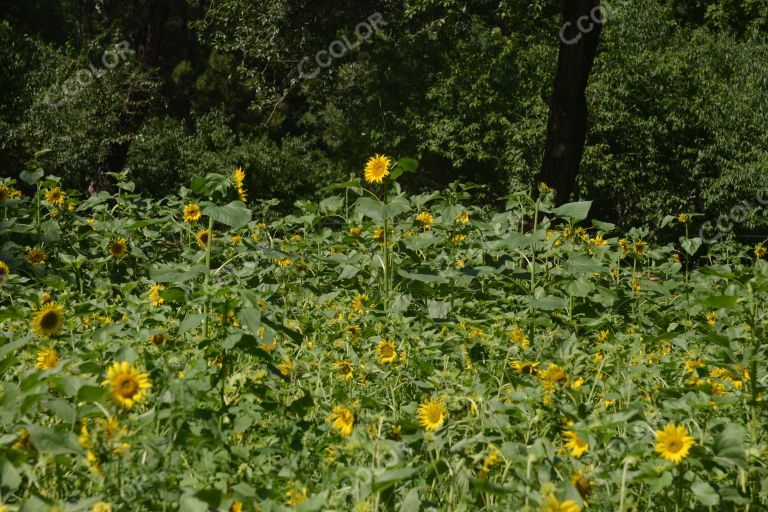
137 100
567 127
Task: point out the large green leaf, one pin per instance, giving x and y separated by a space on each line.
235 214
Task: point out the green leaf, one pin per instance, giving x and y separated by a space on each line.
235 214
575 211
403 165
705 493
720 301
57 442
438 310
667 219
251 318
175 274
31 177
192 321
690 245
411 502
391 477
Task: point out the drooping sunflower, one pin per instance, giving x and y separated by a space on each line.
238 178
49 320
343 420
202 238
47 359
552 504
118 248
36 256
386 352
56 196
574 444
192 213
5 271
673 442
128 384
582 483
432 414
377 168
154 294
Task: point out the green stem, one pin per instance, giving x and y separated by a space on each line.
206 306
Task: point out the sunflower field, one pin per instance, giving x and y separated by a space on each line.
371 351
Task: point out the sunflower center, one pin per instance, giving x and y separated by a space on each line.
434 415
127 386
386 351
674 445
49 320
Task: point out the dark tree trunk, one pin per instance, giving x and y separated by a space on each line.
567 127
115 150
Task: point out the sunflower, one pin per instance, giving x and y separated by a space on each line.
386 352
101 507
236 506
203 237
48 320
425 219
582 483
598 241
47 359
154 294
673 442
118 248
5 193
192 213
526 367
344 369
238 178
128 384
519 337
157 339
760 251
56 196
377 169
355 231
5 271
682 218
358 304
432 413
493 458
712 318
36 256
552 504
640 247
462 218
343 420
283 262
574 444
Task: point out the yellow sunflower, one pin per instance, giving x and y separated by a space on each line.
49 320
641 247
118 248
192 213
344 369
236 506
682 218
101 507
238 178
552 504
358 304
5 271
712 318
36 256
377 169
462 218
343 420
128 384
760 251
202 238
47 359
355 231
526 367
56 196
5 193
154 294
582 483
574 444
432 414
425 219
386 352
673 442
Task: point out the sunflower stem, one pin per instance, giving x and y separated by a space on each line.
207 305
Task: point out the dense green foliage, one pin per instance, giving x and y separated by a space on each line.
677 98
373 350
